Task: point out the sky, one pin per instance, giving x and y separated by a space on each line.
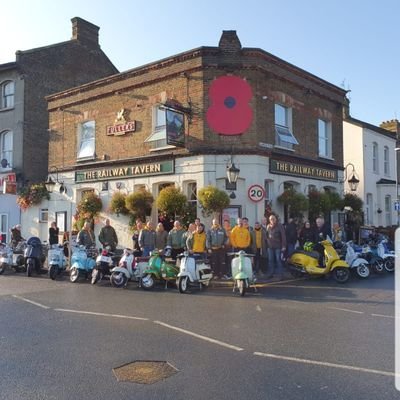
353 44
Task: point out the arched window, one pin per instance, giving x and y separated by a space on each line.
375 159
386 160
6 148
7 90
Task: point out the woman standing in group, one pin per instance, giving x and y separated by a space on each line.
53 234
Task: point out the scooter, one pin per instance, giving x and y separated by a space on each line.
192 272
104 264
303 262
34 255
387 255
370 253
57 262
242 272
159 269
130 268
356 262
13 258
82 262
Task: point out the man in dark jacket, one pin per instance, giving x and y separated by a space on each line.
323 231
108 237
291 236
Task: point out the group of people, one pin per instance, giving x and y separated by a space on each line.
269 240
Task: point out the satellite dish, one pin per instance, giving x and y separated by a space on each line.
4 163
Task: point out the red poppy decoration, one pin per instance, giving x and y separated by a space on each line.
230 113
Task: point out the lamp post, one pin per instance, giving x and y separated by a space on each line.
50 183
396 174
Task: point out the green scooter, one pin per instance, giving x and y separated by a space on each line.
159 270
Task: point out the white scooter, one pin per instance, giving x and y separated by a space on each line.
242 272
129 269
387 255
192 272
356 263
57 262
13 258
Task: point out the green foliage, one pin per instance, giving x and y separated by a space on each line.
171 201
296 202
118 204
32 195
353 201
140 203
321 203
212 200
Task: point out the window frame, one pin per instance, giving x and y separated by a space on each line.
326 138
375 158
6 231
283 128
4 153
158 137
386 163
6 97
80 142
44 215
388 210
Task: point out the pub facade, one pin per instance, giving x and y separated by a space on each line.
183 121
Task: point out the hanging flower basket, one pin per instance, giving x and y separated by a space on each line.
32 195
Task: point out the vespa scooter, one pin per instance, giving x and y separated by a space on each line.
159 269
82 262
13 258
242 272
192 272
356 263
130 268
104 264
305 262
57 262
34 255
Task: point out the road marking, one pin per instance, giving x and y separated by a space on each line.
345 309
101 314
30 301
258 308
208 339
325 364
383 316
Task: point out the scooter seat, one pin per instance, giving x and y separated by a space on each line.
142 259
313 254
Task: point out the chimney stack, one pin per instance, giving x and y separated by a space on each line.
392 126
85 32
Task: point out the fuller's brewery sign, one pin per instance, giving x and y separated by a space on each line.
302 170
121 125
128 171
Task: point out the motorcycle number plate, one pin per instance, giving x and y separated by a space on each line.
105 259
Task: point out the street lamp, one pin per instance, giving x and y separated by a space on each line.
353 181
50 183
232 173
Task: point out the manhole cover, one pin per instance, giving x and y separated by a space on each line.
146 372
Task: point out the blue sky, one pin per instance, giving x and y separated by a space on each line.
351 43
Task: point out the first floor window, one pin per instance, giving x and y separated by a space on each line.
44 215
324 138
6 148
86 140
283 127
7 90
159 136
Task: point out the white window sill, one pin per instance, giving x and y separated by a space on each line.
6 109
325 157
163 148
283 148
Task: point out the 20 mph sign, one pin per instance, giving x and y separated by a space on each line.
256 193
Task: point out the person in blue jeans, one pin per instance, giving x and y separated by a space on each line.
276 242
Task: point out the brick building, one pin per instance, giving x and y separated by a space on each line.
24 84
281 125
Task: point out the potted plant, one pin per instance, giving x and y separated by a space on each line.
212 200
32 195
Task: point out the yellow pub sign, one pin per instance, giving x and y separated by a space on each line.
302 170
127 171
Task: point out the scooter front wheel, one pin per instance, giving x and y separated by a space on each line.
241 284
363 271
95 276
3 267
183 284
389 264
118 279
341 275
29 268
378 266
53 272
148 282
74 275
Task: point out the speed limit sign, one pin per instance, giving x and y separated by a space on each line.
256 193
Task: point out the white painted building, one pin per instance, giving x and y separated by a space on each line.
371 150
